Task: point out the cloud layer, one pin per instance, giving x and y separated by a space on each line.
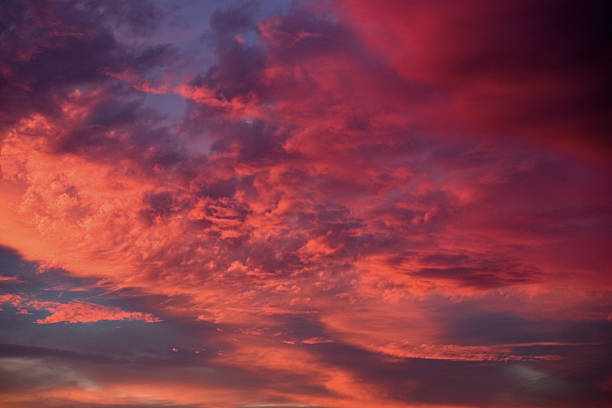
322 204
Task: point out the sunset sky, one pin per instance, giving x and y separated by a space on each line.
314 204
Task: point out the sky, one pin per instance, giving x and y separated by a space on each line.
314 204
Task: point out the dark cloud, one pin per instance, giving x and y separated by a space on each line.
473 383
234 19
50 51
547 61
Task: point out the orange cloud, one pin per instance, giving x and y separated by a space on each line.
344 209
75 311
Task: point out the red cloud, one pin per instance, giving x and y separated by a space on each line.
82 312
348 205
75 311
510 68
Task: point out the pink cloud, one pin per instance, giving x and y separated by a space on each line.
353 191
75 311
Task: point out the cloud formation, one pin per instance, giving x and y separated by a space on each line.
74 311
322 204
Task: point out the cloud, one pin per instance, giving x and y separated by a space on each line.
476 54
81 312
339 214
74 311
